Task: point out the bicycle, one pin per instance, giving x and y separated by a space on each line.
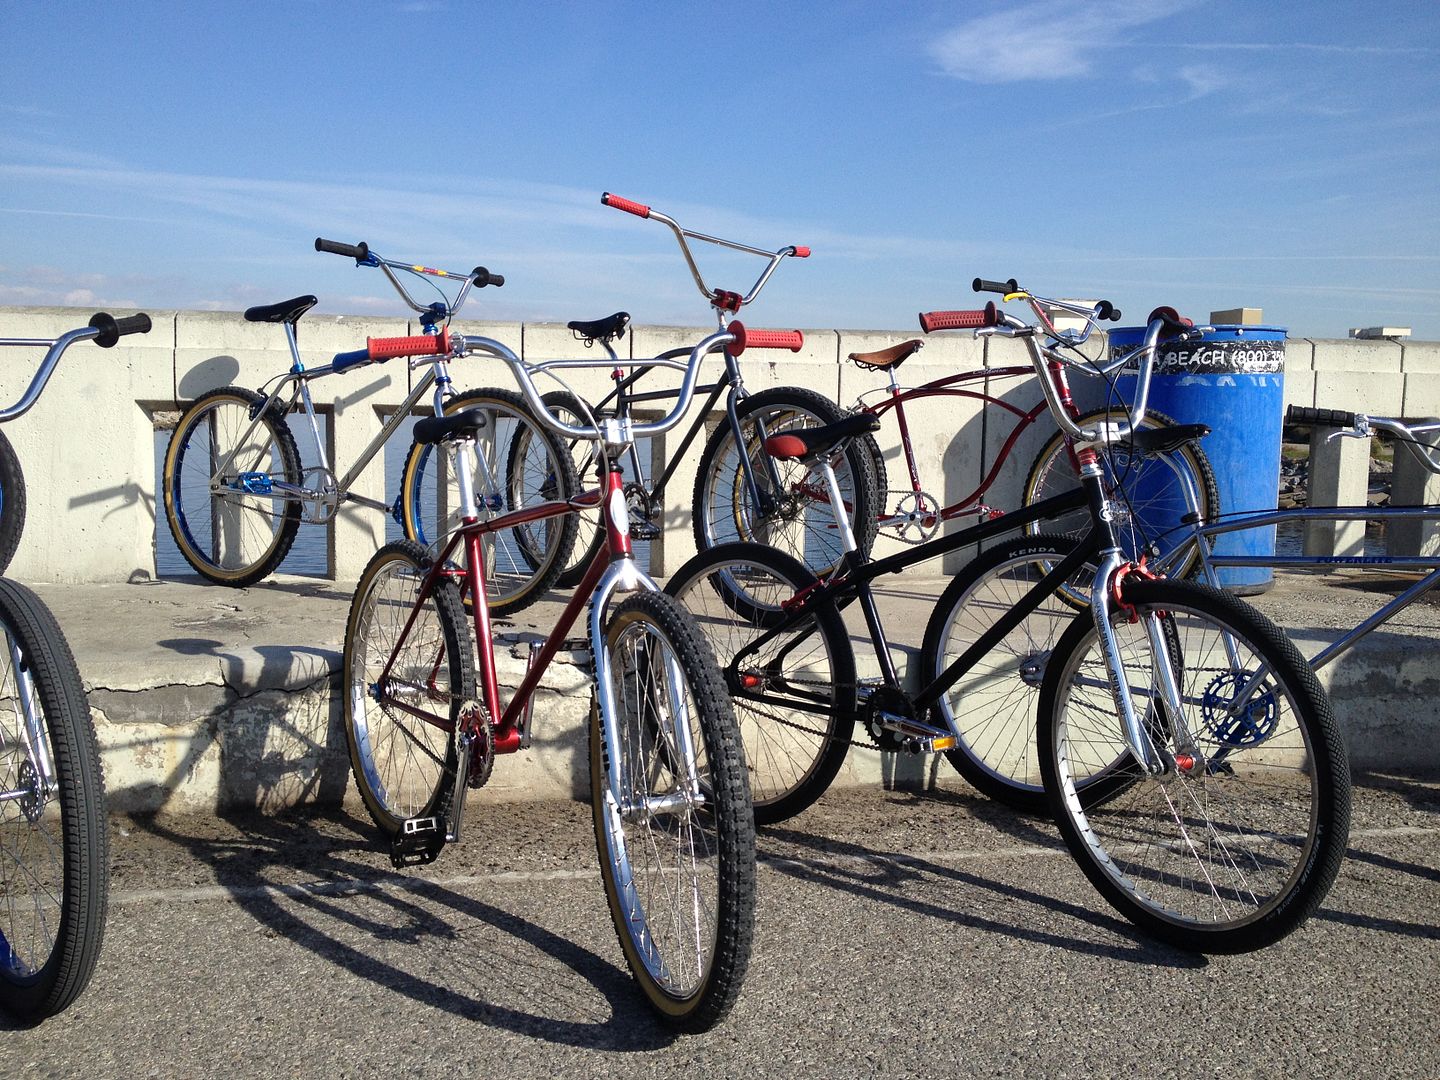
1151 493
739 491
1187 752
1195 538
998 754
236 493
425 722
54 848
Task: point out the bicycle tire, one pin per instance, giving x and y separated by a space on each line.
54 849
1149 499
804 525
792 755
712 839
991 707
589 529
12 502
403 767
522 561
242 535
1268 789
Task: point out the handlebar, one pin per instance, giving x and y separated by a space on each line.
1420 438
477 278
722 300
109 329
1339 418
930 321
1047 343
745 338
103 329
1004 288
619 429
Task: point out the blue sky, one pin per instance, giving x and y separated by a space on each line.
1202 154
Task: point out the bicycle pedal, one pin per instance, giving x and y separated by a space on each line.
916 737
419 841
644 530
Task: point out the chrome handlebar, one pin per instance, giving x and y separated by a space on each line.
610 430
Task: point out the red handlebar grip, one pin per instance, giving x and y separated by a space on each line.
384 348
802 252
628 205
793 340
931 321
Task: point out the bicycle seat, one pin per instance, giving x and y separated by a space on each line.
1162 440
885 359
287 311
610 328
818 441
434 429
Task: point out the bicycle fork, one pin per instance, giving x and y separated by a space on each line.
37 773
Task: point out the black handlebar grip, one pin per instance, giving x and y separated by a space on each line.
1106 310
113 329
359 252
1300 414
1002 287
483 277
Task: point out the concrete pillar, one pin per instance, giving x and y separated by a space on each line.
1412 484
1339 476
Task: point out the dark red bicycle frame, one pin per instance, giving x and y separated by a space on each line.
946 387
508 735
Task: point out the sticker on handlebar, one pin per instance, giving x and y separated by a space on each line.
431 271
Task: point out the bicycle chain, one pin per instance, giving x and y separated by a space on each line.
868 742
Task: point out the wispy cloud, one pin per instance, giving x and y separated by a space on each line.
1052 39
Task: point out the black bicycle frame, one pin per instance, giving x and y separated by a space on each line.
734 383
855 575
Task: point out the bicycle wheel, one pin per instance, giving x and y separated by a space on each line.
54 850
404 766
1235 846
12 502
794 699
991 707
1149 497
523 560
236 530
590 530
800 521
674 830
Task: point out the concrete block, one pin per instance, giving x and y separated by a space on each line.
1380 393
1299 386
1241 316
1421 357
1412 484
1358 356
1299 355
1339 476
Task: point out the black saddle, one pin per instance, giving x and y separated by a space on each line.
819 441
434 429
287 311
610 328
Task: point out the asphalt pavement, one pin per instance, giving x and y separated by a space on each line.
898 935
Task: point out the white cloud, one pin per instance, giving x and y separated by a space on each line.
1051 39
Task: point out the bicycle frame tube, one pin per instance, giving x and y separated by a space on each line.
1200 537
33 726
855 575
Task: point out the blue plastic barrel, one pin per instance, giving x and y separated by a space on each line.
1233 379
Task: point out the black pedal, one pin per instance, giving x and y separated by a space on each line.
418 842
644 530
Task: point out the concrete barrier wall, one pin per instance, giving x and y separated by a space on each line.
88 446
